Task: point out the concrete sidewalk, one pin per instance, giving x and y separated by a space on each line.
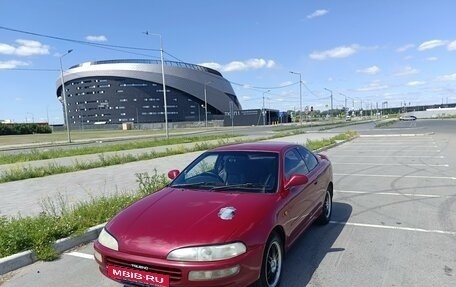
24 197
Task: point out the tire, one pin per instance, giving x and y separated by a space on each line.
271 268
326 212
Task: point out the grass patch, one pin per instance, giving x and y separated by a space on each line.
59 220
385 123
22 173
58 153
317 144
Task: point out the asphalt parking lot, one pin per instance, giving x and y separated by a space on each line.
394 219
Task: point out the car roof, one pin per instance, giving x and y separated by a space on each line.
265 146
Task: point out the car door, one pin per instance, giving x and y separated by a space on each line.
316 179
300 202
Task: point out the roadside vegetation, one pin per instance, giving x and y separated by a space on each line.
59 153
23 129
59 219
21 173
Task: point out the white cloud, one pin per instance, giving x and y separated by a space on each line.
318 13
374 86
235 66
24 48
100 38
405 48
12 64
286 83
6 49
338 52
431 59
416 83
407 71
452 46
449 77
369 70
431 45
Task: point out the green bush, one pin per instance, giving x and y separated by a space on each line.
22 129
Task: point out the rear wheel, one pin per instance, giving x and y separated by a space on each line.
325 215
271 268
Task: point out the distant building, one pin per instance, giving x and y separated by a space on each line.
119 91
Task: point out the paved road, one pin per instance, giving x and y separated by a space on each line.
394 220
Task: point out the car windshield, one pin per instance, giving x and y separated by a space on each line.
231 171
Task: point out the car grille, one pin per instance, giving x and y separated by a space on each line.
174 274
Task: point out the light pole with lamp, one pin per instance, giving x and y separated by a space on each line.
64 96
263 111
163 80
205 101
300 96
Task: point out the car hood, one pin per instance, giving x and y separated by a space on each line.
174 218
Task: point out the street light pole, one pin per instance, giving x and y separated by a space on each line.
205 101
300 96
331 100
163 80
64 97
263 111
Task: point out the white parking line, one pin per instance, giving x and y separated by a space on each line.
389 150
396 144
394 156
396 176
394 227
389 193
81 255
391 164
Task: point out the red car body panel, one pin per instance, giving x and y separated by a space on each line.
177 217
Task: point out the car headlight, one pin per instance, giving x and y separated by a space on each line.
208 253
107 240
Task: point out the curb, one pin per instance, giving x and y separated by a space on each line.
19 260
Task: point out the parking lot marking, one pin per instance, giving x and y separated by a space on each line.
392 164
389 193
395 144
389 150
81 255
395 176
394 227
394 156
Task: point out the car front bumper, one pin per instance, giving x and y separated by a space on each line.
249 265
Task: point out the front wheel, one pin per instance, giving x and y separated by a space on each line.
325 215
271 268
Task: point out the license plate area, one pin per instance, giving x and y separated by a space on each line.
138 276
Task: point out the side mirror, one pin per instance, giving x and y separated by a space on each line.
172 174
295 180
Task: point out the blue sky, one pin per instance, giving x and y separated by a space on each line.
374 51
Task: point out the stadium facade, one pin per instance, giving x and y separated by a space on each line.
119 91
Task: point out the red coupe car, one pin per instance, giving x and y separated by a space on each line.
226 220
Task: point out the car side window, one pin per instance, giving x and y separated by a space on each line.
293 164
309 158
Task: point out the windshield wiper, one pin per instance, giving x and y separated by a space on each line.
248 185
194 184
